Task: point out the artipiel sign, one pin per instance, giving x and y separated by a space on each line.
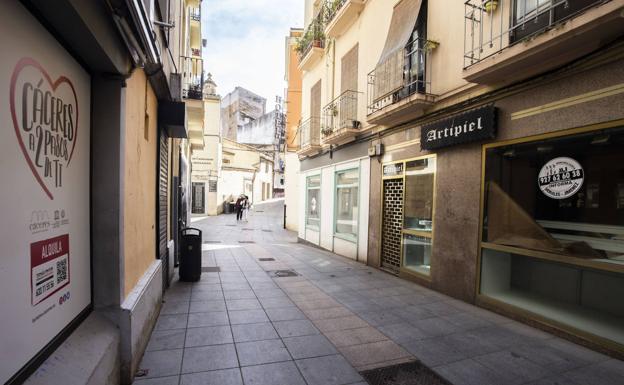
471 126
44 168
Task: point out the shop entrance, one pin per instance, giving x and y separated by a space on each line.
392 223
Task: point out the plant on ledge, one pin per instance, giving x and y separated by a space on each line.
313 37
430 45
326 131
490 6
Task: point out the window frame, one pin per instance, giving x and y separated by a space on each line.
345 236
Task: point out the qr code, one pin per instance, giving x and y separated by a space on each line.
61 270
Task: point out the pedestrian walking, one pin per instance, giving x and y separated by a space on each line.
246 207
239 207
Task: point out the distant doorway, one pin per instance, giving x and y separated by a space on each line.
198 203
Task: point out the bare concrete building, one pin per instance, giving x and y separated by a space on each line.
238 108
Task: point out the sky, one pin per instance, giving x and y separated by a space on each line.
245 43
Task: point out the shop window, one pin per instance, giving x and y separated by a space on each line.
553 230
418 214
313 202
346 216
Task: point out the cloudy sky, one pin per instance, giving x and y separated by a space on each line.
245 43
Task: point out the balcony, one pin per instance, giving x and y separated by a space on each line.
340 14
192 78
195 14
399 87
510 40
309 133
340 119
311 45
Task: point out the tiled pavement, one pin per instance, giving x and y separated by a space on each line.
240 326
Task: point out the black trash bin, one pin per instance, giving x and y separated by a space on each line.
191 255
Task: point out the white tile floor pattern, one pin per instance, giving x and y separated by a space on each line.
339 317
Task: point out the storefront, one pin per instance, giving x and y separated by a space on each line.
515 204
335 210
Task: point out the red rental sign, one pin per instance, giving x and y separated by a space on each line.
49 265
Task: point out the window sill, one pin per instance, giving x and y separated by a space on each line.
346 237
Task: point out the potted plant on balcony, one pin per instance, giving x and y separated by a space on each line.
334 110
326 131
490 5
430 45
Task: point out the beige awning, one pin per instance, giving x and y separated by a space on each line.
402 25
389 69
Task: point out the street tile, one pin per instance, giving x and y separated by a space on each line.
161 363
206 295
242 304
357 336
207 306
295 328
342 323
379 318
270 303
309 346
173 380
254 332
328 370
434 352
373 353
327 313
166 340
470 372
603 373
205 358
238 317
282 373
217 377
433 327
213 318
261 352
174 307
239 294
402 332
284 314
174 321
235 286
269 293
213 335
506 363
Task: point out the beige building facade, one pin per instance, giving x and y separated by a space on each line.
489 127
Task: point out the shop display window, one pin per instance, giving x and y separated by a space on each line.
313 202
418 214
346 215
553 230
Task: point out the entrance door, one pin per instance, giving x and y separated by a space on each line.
199 198
392 222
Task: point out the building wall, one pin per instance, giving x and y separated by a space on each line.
293 91
139 180
258 131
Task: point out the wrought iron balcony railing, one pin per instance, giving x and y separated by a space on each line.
309 132
490 26
401 75
341 114
195 14
331 9
192 78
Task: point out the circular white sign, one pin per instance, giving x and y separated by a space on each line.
561 178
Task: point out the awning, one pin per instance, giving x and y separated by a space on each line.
389 69
402 25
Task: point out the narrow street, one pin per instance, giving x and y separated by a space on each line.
241 324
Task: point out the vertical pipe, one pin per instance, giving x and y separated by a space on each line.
284 216
502 12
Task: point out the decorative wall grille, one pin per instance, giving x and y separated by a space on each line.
391 224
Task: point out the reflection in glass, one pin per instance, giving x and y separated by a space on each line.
347 202
419 177
313 204
417 253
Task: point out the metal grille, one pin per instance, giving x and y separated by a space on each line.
283 273
411 373
163 179
391 224
266 259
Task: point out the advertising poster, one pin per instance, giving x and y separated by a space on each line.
44 169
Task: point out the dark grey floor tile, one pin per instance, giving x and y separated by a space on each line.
166 340
238 317
162 363
434 327
207 306
379 318
206 358
282 373
295 328
285 314
434 352
261 352
470 372
172 380
206 295
213 318
365 355
174 321
357 336
217 377
605 373
242 304
402 332
212 335
309 346
328 370
507 363
254 332
174 307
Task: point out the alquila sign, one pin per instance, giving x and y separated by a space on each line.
471 126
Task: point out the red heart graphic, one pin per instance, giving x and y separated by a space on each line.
19 67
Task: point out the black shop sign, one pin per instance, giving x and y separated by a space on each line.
471 126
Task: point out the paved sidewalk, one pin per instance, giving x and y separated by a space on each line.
337 318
